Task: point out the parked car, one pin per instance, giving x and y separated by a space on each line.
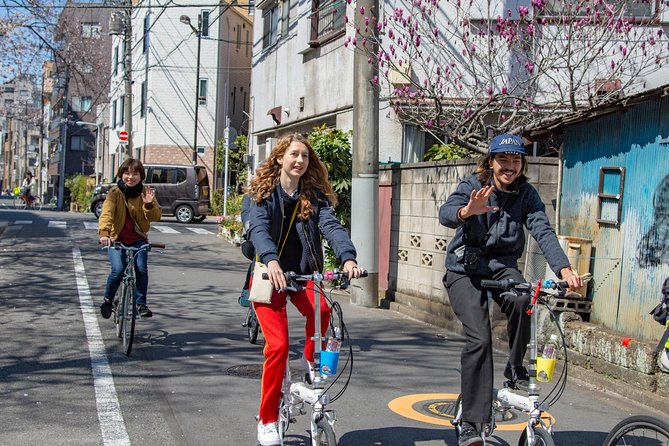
181 190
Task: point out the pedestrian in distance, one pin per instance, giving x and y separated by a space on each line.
126 217
488 210
291 186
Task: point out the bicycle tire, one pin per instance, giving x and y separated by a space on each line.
37 204
639 430
325 435
456 414
19 203
129 315
284 416
252 325
541 437
118 312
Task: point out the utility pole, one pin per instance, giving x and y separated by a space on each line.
198 32
365 181
63 138
128 77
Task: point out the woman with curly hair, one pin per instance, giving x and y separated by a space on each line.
292 204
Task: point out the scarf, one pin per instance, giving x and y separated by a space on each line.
130 192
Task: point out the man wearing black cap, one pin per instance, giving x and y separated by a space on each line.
488 210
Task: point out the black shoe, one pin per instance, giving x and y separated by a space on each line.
469 435
517 376
144 311
106 309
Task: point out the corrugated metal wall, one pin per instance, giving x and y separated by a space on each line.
630 260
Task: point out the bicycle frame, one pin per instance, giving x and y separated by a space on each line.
505 398
297 394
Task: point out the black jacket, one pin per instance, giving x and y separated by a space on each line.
266 230
500 234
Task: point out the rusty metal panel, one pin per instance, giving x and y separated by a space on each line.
629 260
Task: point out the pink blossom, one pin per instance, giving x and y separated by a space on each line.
504 89
362 10
375 80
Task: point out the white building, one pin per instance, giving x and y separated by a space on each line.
303 62
164 66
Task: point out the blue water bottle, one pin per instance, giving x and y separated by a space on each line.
330 357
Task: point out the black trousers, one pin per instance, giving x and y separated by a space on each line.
470 304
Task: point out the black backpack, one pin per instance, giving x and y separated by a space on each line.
661 312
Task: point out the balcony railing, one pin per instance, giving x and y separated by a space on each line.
327 21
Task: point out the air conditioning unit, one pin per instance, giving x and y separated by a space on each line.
400 75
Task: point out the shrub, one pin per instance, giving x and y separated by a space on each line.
80 191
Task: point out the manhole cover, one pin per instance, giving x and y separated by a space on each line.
253 371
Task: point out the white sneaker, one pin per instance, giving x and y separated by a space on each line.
309 367
268 435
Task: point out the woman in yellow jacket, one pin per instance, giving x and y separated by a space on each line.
126 217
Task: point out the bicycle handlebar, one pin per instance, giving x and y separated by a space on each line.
146 246
316 277
507 284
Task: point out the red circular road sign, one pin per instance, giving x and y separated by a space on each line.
123 136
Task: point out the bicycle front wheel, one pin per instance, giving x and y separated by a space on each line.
324 434
19 203
118 306
129 315
541 437
639 430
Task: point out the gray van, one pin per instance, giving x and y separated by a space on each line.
181 190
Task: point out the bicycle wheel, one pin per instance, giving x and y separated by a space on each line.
118 312
129 315
284 416
325 435
252 325
541 437
19 203
639 430
37 204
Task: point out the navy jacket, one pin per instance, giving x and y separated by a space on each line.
266 231
500 234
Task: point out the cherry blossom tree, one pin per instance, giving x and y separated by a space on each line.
466 69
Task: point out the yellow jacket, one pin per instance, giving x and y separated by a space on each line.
112 218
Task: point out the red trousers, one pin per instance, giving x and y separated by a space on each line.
274 324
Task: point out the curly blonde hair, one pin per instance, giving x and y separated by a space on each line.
315 178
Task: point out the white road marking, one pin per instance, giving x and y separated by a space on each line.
165 229
57 224
23 222
91 224
109 409
199 230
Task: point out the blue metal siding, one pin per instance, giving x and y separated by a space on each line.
629 261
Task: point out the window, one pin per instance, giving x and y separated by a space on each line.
78 144
142 104
115 61
76 104
145 36
121 110
9 103
202 92
413 144
285 17
113 115
248 44
91 29
610 194
239 38
270 20
640 9
200 150
166 175
327 21
86 103
204 31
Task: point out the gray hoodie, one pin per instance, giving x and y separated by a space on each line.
500 234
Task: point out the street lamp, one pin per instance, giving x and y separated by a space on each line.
198 32
98 129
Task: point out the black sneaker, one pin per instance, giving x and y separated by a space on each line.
106 308
144 311
469 435
517 376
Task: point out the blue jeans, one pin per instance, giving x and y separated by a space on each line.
117 259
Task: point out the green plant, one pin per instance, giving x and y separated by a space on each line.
439 152
237 171
217 202
80 192
232 219
333 147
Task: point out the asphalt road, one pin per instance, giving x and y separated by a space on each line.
192 377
